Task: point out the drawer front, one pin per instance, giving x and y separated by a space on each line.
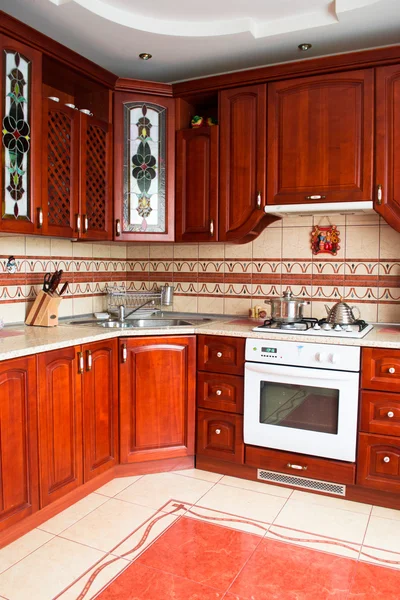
220 354
380 413
300 465
220 392
380 369
220 435
378 462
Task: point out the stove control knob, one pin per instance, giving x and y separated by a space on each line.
316 327
326 326
320 356
334 358
337 328
349 328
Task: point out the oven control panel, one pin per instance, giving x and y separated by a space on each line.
304 354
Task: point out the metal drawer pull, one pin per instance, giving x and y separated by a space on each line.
212 227
259 200
217 431
219 354
89 360
315 197
218 392
124 353
40 218
379 195
85 223
392 370
118 227
390 414
386 459
81 365
78 223
297 467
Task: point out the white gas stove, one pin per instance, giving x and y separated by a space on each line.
315 327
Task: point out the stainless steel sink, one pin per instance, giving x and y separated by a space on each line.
133 323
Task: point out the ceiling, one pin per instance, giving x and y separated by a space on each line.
191 39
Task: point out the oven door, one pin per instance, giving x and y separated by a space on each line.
310 411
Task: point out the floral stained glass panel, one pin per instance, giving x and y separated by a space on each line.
16 136
144 167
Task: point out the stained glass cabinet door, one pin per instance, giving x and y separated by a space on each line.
144 167
20 181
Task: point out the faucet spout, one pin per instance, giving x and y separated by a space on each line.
123 315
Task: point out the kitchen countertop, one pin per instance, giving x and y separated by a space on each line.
21 340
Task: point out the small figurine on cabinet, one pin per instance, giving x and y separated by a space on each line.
325 240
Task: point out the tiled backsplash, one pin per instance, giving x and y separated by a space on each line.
218 278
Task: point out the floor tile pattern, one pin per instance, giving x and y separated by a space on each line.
192 535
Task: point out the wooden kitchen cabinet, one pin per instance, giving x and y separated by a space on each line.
196 199
220 435
19 490
243 154
218 391
20 182
380 412
380 369
221 354
157 398
77 173
387 155
378 462
320 138
144 166
100 407
60 423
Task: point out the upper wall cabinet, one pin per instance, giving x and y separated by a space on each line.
243 149
20 88
144 167
320 138
387 193
197 185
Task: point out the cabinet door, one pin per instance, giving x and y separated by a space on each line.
197 185
378 462
220 354
220 435
320 138
387 156
220 392
144 159
157 398
100 407
96 163
380 369
21 96
60 174
60 424
19 493
243 147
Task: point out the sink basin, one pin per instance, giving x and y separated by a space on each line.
145 323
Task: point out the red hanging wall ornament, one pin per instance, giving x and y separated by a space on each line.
325 240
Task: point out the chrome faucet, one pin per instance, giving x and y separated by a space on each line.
121 310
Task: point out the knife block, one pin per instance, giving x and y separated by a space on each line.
44 312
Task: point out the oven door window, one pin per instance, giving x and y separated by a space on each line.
299 407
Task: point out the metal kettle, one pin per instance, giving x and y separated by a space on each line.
341 314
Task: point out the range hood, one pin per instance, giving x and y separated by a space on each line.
327 208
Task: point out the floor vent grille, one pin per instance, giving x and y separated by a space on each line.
302 482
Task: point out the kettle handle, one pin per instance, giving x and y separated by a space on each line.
359 313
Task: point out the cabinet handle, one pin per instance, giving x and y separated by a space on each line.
211 226
89 360
315 197
218 392
390 414
124 353
118 227
217 431
392 370
78 223
40 218
81 366
219 354
379 194
297 467
259 200
386 459
85 223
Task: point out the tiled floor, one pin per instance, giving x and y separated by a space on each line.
193 535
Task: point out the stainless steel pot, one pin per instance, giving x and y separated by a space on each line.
287 308
341 314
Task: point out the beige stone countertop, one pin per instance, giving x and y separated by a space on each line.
21 340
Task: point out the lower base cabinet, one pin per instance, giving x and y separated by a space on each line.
378 462
19 492
157 398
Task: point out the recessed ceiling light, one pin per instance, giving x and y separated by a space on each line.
304 47
145 56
